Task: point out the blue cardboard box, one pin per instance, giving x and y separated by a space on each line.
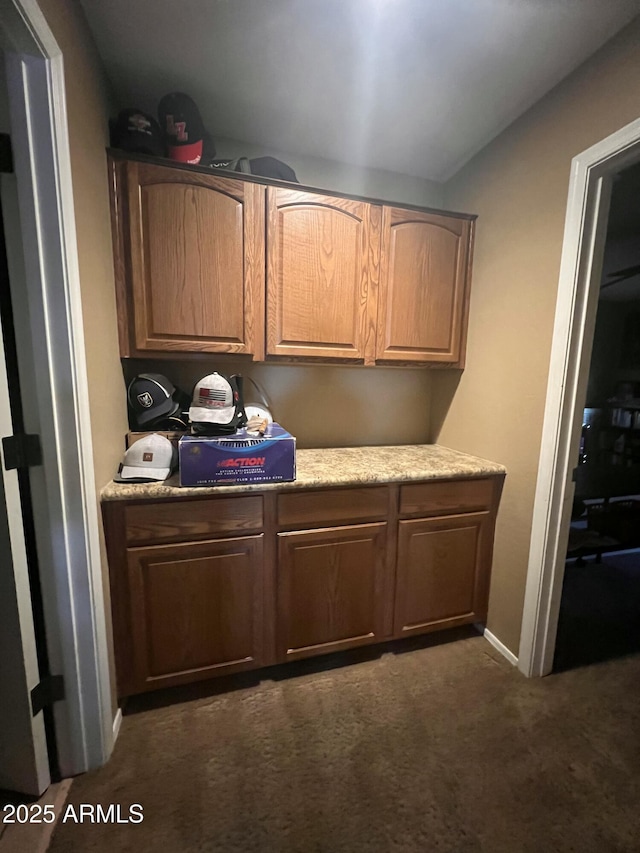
238 459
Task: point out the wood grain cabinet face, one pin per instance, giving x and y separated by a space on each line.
196 610
188 521
206 587
330 589
195 264
443 572
423 287
322 276
210 264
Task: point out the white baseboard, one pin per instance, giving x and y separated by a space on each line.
495 642
117 722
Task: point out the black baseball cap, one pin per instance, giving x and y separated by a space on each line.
137 131
187 139
150 397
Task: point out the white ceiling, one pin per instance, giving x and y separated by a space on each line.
411 86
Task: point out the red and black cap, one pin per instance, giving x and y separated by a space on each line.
184 129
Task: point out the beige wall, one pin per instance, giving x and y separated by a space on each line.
518 187
88 112
325 406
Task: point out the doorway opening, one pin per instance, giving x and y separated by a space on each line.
591 178
600 603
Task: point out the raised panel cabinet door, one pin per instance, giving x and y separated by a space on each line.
330 589
322 276
196 610
442 573
424 283
196 261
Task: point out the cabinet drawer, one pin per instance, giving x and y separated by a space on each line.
445 496
317 509
171 521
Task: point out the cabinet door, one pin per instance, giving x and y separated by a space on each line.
322 276
422 308
195 277
330 589
196 610
443 572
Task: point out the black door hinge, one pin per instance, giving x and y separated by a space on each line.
6 154
21 451
48 691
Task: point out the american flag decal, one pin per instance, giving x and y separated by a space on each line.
212 397
213 394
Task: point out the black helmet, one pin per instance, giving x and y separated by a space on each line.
151 397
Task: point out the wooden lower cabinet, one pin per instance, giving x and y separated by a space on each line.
442 577
330 585
196 610
206 587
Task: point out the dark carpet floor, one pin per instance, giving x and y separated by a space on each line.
600 611
442 748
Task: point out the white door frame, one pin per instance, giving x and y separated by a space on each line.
63 488
578 288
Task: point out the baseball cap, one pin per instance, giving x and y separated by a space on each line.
184 129
148 460
137 131
151 396
213 400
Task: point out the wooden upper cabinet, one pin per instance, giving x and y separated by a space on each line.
423 296
189 261
322 276
212 264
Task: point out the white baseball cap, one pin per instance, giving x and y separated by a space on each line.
149 459
212 400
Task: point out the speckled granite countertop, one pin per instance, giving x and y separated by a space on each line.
339 466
